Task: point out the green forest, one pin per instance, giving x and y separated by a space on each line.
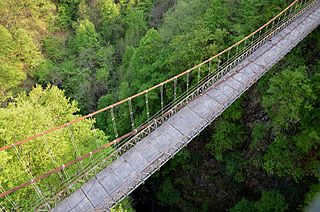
62 59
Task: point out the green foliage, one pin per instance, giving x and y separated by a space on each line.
86 36
139 70
35 16
187 49
235 163
288 95
309 137
226 136
234 112
123 206
271 201
183 18
64 20
313 192
282 159
83 10
18 58
11 73
42 109
83 70
258 133
45 71
105 50
27 52
55 48
243 206
67 10
136 27
110 19
168 194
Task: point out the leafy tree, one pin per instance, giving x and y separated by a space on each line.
18 58
55 48
111 24
168 194
26 50
86 35
42 109
138 65
11 72
183 18
84 10
136 27
35 16
123 206
235 164
67 11
258 133
271 201
282 159
84 70
47 71
227 135
309 137
243 206
288 95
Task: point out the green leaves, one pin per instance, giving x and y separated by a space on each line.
168 194
289 94
27 52
86 36
226 136
243 206
136 26
19 56
31 114
258 134
282 159
35 16
271 201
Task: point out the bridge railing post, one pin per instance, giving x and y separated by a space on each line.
114 124
147 105
162 97
131 114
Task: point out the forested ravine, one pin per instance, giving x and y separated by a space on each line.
62 59
249 170
229 162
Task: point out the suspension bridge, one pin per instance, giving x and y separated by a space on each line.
173 113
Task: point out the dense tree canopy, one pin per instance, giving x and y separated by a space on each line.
19 57
40 110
